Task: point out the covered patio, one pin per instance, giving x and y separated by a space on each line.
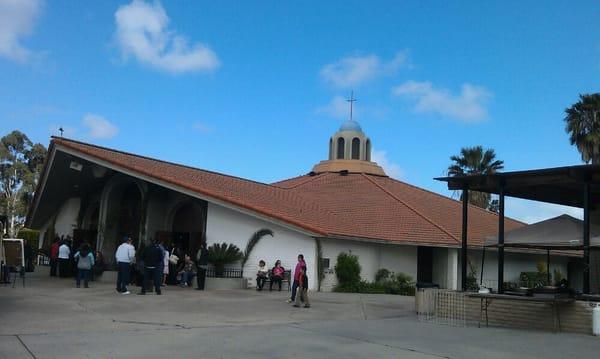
575 186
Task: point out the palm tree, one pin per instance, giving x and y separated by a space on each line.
474 160
253 241
583 126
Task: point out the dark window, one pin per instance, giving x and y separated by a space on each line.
325 263
368 150
341 148
355 148
331 148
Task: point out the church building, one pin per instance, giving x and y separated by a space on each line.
345 203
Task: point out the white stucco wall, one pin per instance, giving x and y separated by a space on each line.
227 225
66 218
372 257
514 264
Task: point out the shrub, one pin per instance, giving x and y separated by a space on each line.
382 274
221 254
32 236
347 269
400 284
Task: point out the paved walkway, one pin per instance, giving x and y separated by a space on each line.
52 319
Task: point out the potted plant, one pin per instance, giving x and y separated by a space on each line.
221 254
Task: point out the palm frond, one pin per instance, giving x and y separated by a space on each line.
253 241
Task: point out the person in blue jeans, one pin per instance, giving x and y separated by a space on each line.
85 261
297 273
124 256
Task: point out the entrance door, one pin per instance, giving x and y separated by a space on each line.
425 264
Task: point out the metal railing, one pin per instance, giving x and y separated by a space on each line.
441 306
227 273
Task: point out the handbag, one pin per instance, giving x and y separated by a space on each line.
173 259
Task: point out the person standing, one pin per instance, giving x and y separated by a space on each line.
153 259
54 257
301 263
302 289
28 255
124 256
202 263
64 254
85 262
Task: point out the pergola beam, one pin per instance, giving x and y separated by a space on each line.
586 238
501 240
463 250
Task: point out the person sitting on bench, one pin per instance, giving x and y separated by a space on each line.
277 274
187 272
261 275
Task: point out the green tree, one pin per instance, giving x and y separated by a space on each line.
583 126
471 161
21 163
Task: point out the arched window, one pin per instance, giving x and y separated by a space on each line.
331 148
355 148
368 150
341 148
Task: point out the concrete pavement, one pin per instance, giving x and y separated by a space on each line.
52 319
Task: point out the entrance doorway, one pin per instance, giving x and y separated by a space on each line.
188 225
425 265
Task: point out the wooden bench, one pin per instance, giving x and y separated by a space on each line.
287 274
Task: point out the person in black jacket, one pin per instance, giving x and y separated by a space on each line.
152 257
202 263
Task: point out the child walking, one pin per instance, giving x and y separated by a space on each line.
302 289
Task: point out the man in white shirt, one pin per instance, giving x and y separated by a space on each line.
64 254
125 255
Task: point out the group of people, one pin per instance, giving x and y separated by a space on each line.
276 275
160 265
157 264
81 263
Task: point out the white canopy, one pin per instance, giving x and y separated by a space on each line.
563 232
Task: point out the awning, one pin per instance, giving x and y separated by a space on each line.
560 233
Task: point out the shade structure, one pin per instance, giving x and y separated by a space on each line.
559 233
559 185
576 186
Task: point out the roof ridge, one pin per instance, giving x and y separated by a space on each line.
454 200
158 160
410 207
310 179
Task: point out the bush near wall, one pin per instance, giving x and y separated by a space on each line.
386 282
32 236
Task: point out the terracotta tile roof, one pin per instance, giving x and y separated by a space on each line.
327 204
395 210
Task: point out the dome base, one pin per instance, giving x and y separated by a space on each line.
353 166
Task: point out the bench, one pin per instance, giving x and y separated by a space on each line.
287 274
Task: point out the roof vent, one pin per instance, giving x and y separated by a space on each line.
343 172
312 173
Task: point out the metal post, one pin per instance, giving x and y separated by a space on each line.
548 278
586 238
463 252
501 240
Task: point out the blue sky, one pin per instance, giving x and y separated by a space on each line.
255 89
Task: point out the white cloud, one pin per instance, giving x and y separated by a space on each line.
533 211
338 107
202 127
99 127
468 106
142 32
17 18
353 71
391 169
